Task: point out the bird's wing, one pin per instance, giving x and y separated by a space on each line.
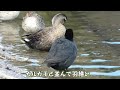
34 36
60 51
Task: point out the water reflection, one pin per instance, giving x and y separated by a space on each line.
93 66
99 60
9 31
33 64
84 55
115 43
115 73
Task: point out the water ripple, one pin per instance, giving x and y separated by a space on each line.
99 60
116 73
93 66
116 43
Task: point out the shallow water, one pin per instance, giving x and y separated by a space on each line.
97 34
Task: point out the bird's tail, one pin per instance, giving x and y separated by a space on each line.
24 38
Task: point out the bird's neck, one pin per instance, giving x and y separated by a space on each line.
59 30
